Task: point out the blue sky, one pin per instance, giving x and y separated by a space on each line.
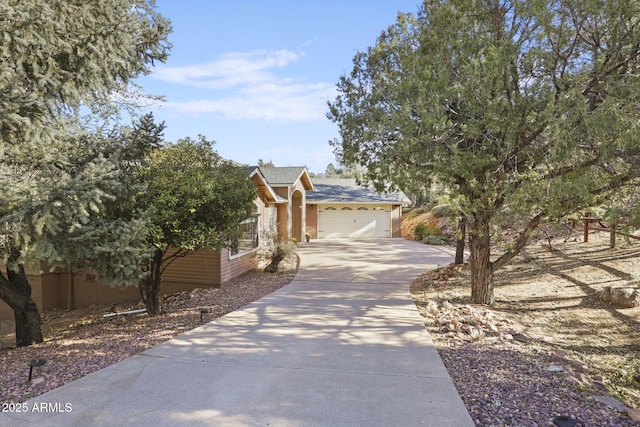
255 76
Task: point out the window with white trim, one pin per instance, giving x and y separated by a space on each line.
272 218
247 234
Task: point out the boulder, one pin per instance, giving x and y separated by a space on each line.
627 296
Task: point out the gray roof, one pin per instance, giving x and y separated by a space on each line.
283 175
346 190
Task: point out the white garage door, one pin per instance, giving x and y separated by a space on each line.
335 221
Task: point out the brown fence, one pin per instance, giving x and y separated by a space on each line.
613 229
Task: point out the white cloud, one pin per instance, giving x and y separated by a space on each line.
245 86
232 69
265 102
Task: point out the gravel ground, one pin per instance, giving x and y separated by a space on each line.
506 378
83 341
510 384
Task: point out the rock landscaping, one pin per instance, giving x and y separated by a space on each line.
550 346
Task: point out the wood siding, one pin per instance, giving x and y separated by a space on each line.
197 270
282 223
44 291
297 214
312 220
232 267
201 268
396 221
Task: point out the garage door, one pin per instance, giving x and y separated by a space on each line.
368 221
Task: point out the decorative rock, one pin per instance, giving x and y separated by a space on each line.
37 381
574 381
626 297
600 385
611 402
634 414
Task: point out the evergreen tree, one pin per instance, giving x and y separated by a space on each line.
71 205
57 178
529 107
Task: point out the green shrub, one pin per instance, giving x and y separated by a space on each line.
442 211
420 231
415 212
424 229
435 240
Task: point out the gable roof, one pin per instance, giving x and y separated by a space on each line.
265 191
347 190
289 175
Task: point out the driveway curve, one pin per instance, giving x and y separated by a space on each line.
341 345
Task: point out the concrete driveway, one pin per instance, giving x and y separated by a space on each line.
342 345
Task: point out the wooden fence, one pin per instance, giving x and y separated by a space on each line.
612 229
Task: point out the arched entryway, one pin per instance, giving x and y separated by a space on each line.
296 215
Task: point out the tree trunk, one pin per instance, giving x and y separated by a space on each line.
150 284
15 290
278 255
481 268
460 240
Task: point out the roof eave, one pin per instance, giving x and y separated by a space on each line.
265 191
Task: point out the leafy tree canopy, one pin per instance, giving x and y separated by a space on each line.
198 201
263 164
198 197
529 107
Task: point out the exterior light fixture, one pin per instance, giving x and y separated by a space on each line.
34 363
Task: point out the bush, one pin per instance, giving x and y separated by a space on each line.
424 229
280 252
415 212
435 240
442 211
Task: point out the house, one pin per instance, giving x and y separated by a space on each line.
288 205
291 185
339 208
330 208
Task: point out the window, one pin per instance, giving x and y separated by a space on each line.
329 208
346 208
247 234
363 208
272 218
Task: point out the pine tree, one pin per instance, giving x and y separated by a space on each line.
58 180
522 107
